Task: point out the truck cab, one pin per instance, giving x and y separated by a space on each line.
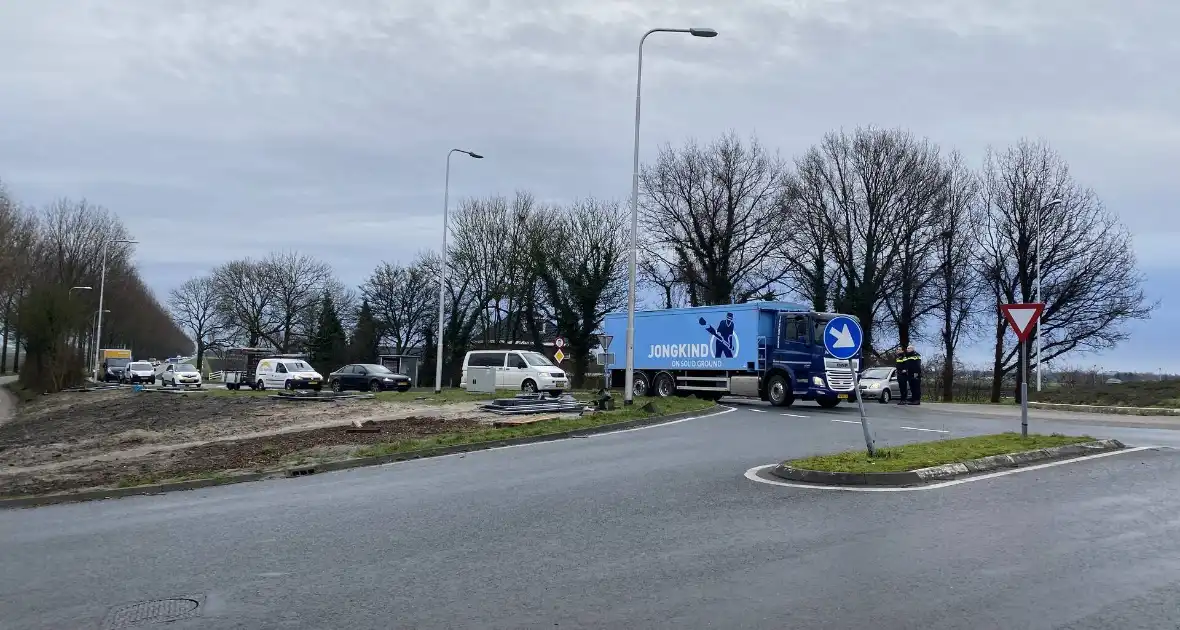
769 350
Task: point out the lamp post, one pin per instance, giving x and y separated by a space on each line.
1040 209
629 385
442 270
96 313
102 285
72 289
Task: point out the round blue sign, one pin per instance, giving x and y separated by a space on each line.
842 337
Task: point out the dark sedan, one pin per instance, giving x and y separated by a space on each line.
368 376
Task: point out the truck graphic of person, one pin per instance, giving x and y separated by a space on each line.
723 337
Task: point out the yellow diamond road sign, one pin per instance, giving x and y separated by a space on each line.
560 356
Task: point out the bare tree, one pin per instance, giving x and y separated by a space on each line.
246 300
489 247
1091 284
298 282
194 306
580 257
404 301
865 191
713 214
956 285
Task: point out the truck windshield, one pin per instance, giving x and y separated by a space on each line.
117 363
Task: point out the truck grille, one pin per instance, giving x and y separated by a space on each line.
840 381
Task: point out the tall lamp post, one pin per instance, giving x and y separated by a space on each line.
629 386
442 270
1040 209
102 285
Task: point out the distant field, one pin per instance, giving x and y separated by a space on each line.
1140 394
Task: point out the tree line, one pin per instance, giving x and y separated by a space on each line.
517 271
918 244
48 258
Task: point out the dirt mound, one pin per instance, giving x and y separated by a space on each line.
255 454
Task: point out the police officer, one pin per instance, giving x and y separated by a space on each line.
913 364
903 381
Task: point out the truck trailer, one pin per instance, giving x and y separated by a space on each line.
768 350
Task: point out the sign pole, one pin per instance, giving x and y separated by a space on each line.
864 420
1024 388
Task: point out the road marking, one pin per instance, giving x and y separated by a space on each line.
752 475
919 429
758 410
848 421
793 415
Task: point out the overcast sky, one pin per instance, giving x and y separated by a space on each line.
228 128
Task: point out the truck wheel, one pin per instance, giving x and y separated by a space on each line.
778 391
665 385
640 386
828 403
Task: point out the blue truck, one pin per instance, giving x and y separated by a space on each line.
768 350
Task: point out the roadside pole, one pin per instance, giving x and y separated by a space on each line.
864 420
1023 389
842 340
1022 317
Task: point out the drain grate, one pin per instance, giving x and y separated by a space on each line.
153 611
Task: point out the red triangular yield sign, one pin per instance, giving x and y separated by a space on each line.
1021 317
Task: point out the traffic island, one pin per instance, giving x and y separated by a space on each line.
942 460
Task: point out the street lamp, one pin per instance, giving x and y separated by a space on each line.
1040 209
102 285
72 289
442 269
95 367
629 385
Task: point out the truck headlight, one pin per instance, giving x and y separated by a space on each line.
818 381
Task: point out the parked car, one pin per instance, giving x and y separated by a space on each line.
139 372
368 376
287 374
880 383
179 375
518 369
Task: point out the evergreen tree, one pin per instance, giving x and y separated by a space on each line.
329 345
365 336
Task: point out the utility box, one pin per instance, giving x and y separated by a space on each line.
481 380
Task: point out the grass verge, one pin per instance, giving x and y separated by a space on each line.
663 407
1137 394
926 454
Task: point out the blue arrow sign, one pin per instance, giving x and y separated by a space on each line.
842 337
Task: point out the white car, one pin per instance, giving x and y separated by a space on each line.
524 370
287 374
139 372
179 375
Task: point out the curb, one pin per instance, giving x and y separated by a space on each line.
945 472
344 464
1110 409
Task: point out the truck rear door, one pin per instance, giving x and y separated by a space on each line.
794 348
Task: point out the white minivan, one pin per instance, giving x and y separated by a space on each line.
518 369
287 374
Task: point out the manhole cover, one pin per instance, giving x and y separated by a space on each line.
153 611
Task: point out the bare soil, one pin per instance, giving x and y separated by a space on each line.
78 440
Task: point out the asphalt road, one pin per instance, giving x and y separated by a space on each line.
653 528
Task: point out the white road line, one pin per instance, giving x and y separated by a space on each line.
758 410
920 429
752 475
848 421
793 415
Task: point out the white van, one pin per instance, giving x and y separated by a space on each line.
287 374
518 369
